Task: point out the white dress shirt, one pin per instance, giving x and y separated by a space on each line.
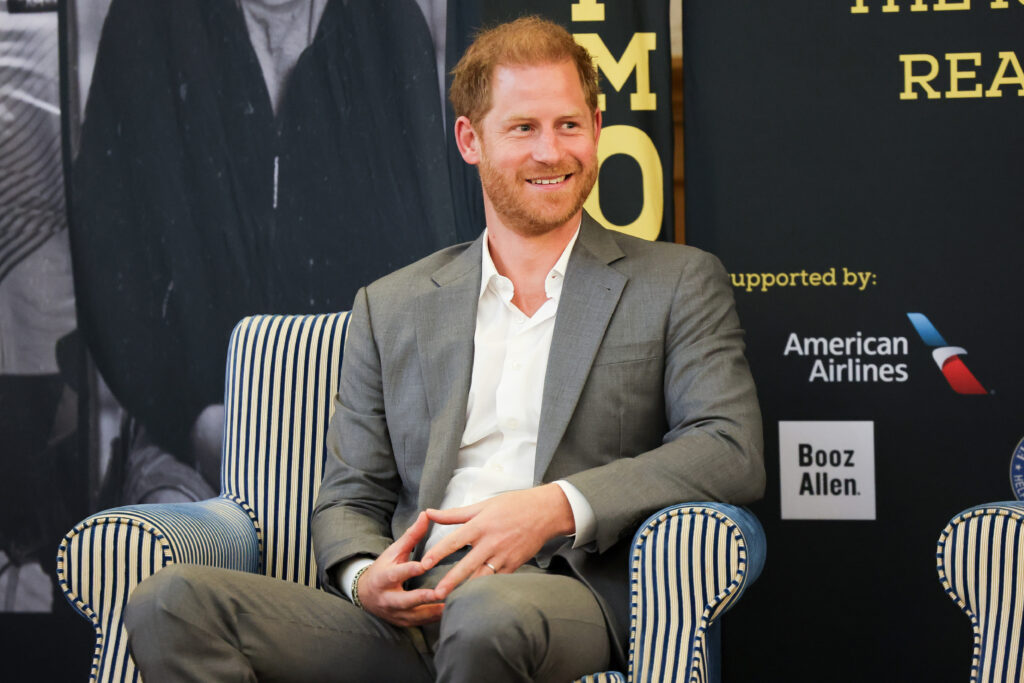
510 358
499 444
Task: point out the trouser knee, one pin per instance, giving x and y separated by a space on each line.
157 607
484 626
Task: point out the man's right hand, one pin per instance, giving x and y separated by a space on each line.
380 586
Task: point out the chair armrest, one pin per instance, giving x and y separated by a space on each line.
690 563
103 558
980 564
603 677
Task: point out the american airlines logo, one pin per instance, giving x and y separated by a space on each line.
947 357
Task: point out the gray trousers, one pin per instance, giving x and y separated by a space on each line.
195 623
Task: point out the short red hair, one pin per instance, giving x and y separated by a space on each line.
526 41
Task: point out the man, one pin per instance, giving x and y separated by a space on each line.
226 168
509 411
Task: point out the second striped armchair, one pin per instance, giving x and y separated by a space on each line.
980 560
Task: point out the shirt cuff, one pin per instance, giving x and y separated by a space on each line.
349 568
582 513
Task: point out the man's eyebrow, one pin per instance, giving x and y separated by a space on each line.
530 117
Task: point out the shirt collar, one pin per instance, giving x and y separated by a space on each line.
553 281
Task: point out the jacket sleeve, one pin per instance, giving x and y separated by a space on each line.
712 449
357 498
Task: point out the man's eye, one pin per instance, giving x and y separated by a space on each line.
523 128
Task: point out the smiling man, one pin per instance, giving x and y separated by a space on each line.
509 411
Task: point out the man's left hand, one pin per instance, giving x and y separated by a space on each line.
504 532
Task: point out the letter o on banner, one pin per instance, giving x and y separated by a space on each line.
635 143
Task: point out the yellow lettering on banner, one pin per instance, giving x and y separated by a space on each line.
1009 72
635 58
860 8
909 78
1001 79
956 75
635 143
588 10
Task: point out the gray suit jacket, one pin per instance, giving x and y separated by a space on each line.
648 400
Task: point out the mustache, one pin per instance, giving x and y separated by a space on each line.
550 171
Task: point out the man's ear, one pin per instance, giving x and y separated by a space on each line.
467 140
597 125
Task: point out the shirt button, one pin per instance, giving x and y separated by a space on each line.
512 423
516 365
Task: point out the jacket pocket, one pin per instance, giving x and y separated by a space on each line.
628 353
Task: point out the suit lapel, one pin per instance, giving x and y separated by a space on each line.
445 326
589 297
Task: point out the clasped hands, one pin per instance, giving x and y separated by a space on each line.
503 533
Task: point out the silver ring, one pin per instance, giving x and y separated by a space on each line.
491 567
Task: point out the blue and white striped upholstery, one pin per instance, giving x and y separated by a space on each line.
282 373
690 563
101 560
603 677
980 560
282 376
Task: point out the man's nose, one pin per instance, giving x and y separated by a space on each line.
548 148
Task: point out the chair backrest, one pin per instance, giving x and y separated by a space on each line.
282 374
980 557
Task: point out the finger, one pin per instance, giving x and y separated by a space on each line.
509 565
418 616
456 540
400 549
483 570
407 600
400 573
454 515
465 568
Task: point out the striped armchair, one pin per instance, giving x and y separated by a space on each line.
980 560
282 373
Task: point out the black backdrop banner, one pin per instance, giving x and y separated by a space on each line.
202 190
856 164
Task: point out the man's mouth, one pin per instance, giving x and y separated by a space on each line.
548 181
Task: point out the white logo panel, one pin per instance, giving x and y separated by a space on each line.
827 469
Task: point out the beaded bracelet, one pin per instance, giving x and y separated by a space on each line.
355 587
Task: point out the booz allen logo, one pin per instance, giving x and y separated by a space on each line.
947 357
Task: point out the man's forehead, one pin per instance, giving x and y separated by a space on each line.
514 76
506 69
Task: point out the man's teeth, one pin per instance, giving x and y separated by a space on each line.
548 181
